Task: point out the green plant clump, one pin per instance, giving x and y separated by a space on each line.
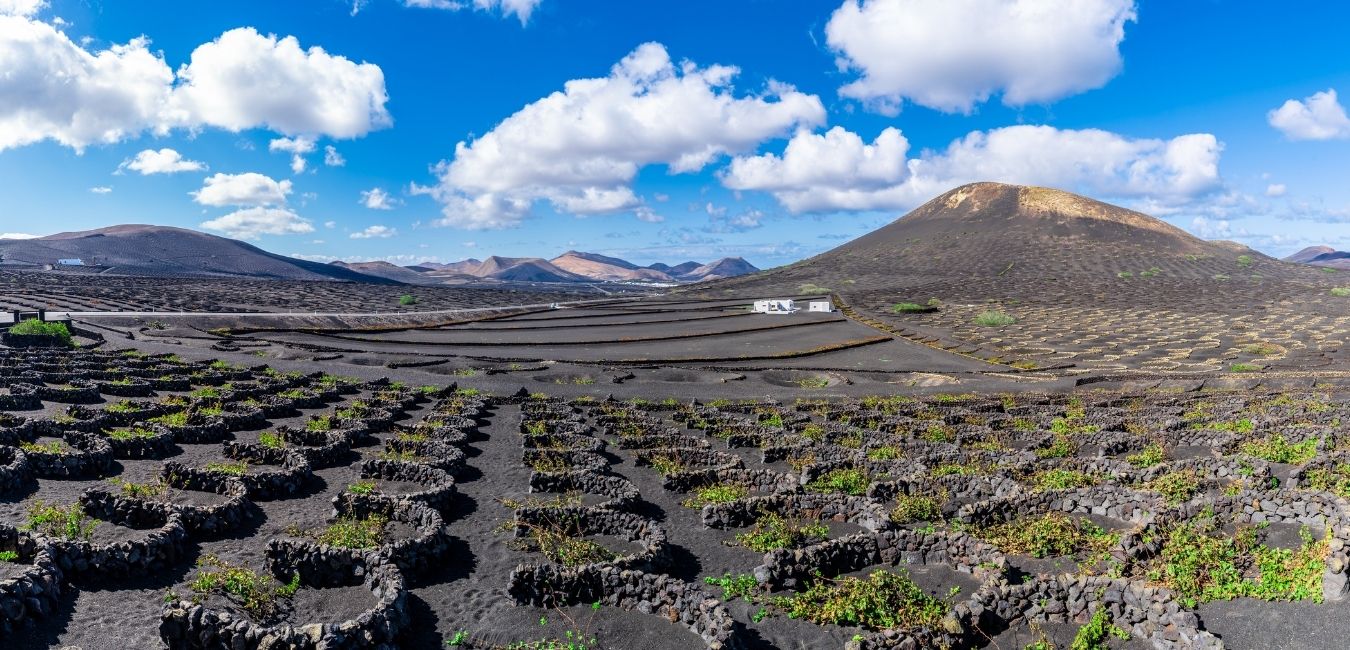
34 327
1175 487
910 508
851 481
1053 534
1148 456
1095 634
235 468
773 532
69 523
882 601
1061 479
1201 564
994 319
354 532
720 493
407 300
256 593
1276 449
1341 292
909 308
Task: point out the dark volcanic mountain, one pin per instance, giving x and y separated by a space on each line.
1324 256
161 251
1309 254
1015 234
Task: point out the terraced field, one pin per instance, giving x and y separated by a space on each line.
151 500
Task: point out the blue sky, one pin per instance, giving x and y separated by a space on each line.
770 130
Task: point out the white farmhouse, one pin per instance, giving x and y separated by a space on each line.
819 305
775 306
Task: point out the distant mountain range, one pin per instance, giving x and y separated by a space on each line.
163 251
1321 256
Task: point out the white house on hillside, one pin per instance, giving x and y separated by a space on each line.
819 305
775 306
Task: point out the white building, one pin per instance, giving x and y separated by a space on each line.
819 305
72 261
775 306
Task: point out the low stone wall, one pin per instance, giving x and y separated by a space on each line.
37 589
662 596
867 513
652 552
321 448
160 445
155 549
14 470
621 493
320 564
1148 613
90 456
185 626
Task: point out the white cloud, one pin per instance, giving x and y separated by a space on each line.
375 232
1206 228
102 189
838 171
580 148
21 7
252 223
330 224
244 79
1319 117
953 54
297 147
54 89
1276 190
17 235
377 199
520 8
648 215
164 161
332 158
248 189
59 90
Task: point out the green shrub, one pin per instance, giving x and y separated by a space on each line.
254 592
909 308
233 468
353 532
407 300
1095 634
994 319
1050 535
1148 457
882 601
130 433
362 487
69 523
34 327
849 481
1245 261
1341 292
271 440
773 532
1201 563
54 447
1244 367
1060 479
910 508
1276 449
720 493
9 556
1175 487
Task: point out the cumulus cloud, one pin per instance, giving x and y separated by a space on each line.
377 199
101 189
332 158
17 235
837 170
248 189
648 215
519 8
1319 117
580 148
953 54
375 232
57 89
21 7
1275 190
252 223
244 79
297 147
164 161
